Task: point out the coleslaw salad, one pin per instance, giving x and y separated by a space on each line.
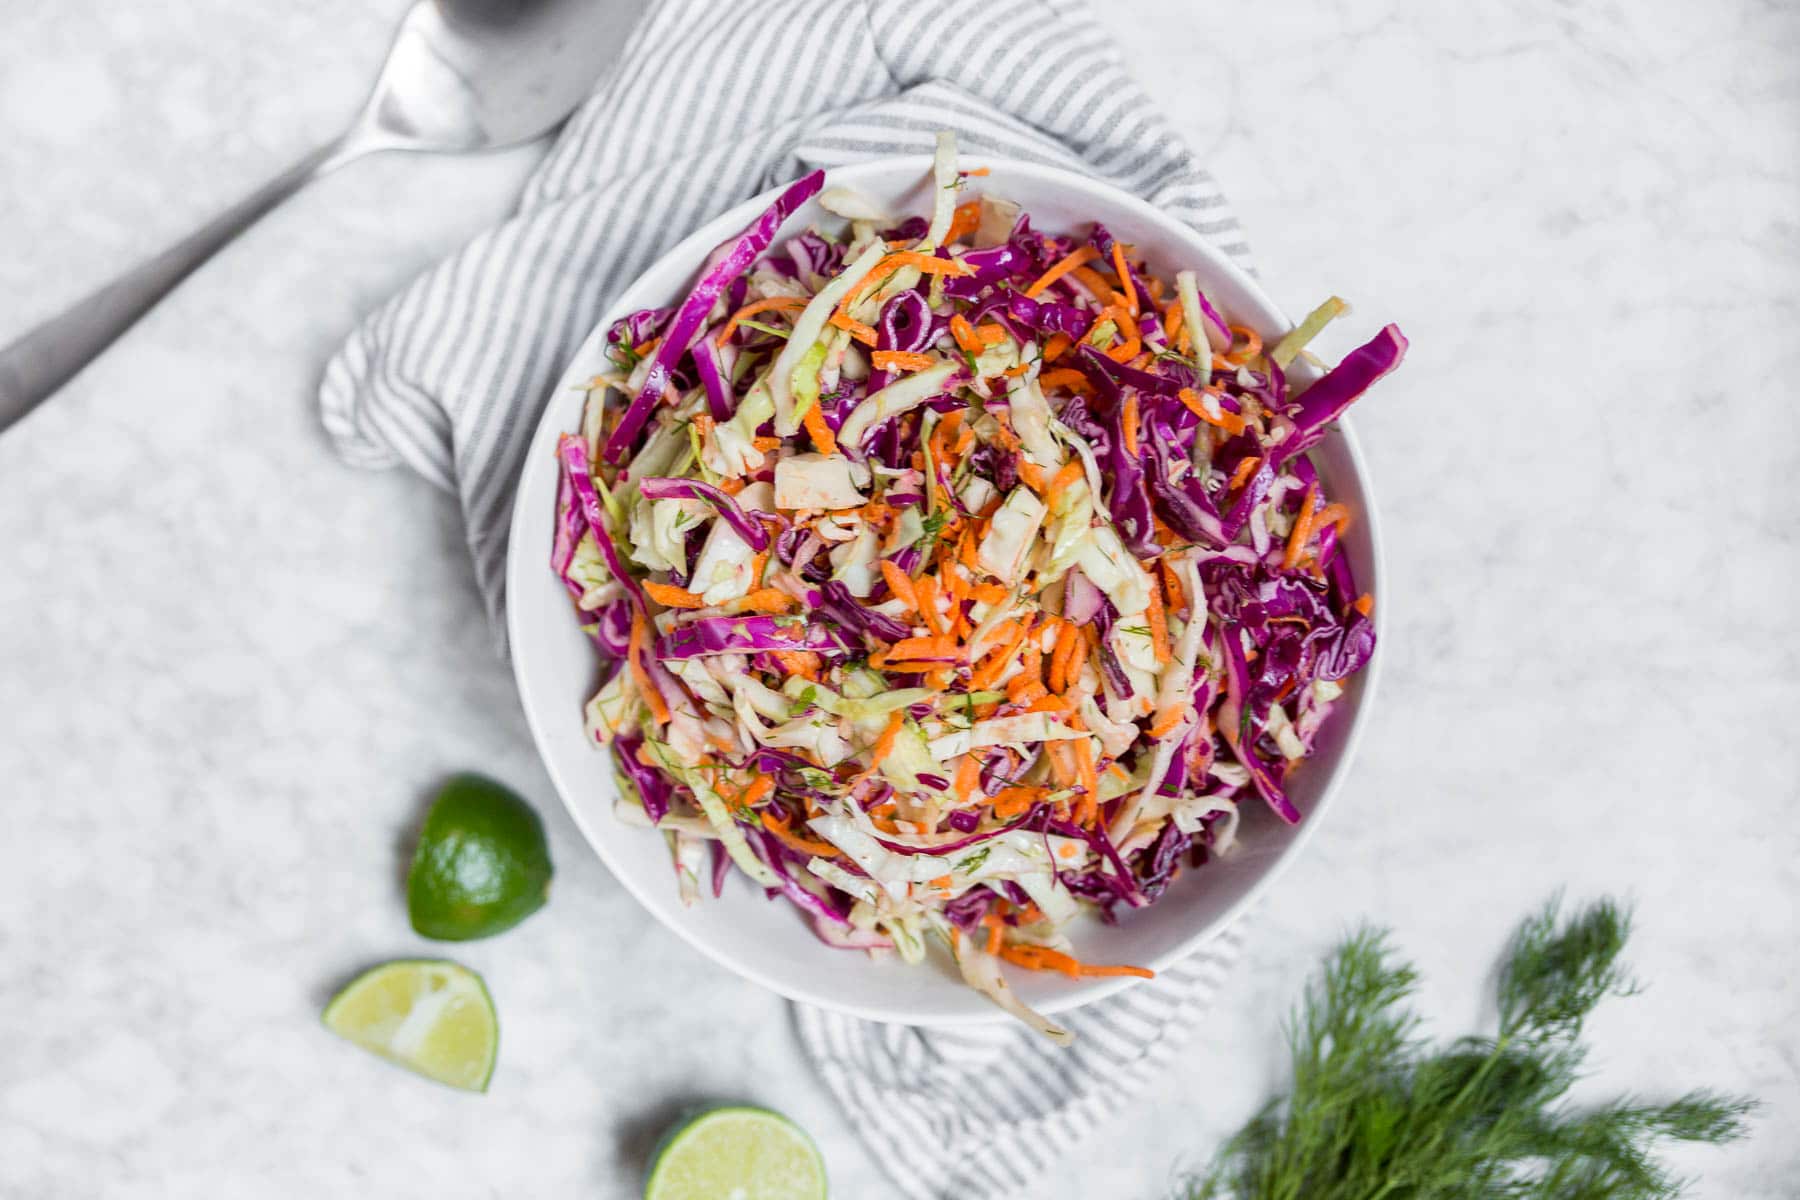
951 578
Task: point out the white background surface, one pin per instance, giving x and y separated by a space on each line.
231 669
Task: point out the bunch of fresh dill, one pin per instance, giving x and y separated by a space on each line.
1376 1114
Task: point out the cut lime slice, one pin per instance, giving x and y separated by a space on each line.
428 1015
737 1154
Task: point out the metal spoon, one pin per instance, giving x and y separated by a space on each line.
462 75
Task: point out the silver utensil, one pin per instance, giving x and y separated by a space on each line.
462 75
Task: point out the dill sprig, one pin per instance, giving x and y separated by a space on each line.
1377 1114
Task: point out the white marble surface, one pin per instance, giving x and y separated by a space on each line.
231 668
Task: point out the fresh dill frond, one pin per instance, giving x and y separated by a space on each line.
1375 1113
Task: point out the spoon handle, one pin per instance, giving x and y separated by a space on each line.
47 357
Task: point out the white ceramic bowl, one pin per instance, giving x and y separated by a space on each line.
767 941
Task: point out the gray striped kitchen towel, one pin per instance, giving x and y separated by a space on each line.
710 103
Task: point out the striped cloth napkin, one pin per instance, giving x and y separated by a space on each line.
709 104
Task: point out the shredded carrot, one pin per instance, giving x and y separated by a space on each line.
1011 801
988 593
1177 595
968 776
1084 763
1227 420
765 600
823 440
963 222
1091 636
862 333
1252 344
1128 423
993 925
992 667
884 745
1090 971
1017 371
1078 258
732 487
1128 329
1091 280
1166 721
942 883
1159 627
659 710
964 333
1063 656
900 584
1333 514
1066 377
786 303
925 591
804 663
1242 475
1032 661
1059 763
1086 810
1025 688
779 827
966 550
1057 346
924 648
1303 527
900 360
990 335
926 264
766 444
1032 474
1365 604
1071 471
1126 287
1042 958
670 596
757 566
1173 318
759 787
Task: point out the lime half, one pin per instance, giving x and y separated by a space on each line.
481 866
428 1015
737 1153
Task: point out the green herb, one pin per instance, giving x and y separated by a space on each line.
624 356
803 701
1377 1114
972 862
933 527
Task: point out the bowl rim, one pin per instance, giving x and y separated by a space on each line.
694 247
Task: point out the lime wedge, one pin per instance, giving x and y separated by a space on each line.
737 1154
428 1015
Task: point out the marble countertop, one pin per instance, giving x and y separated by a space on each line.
231 669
